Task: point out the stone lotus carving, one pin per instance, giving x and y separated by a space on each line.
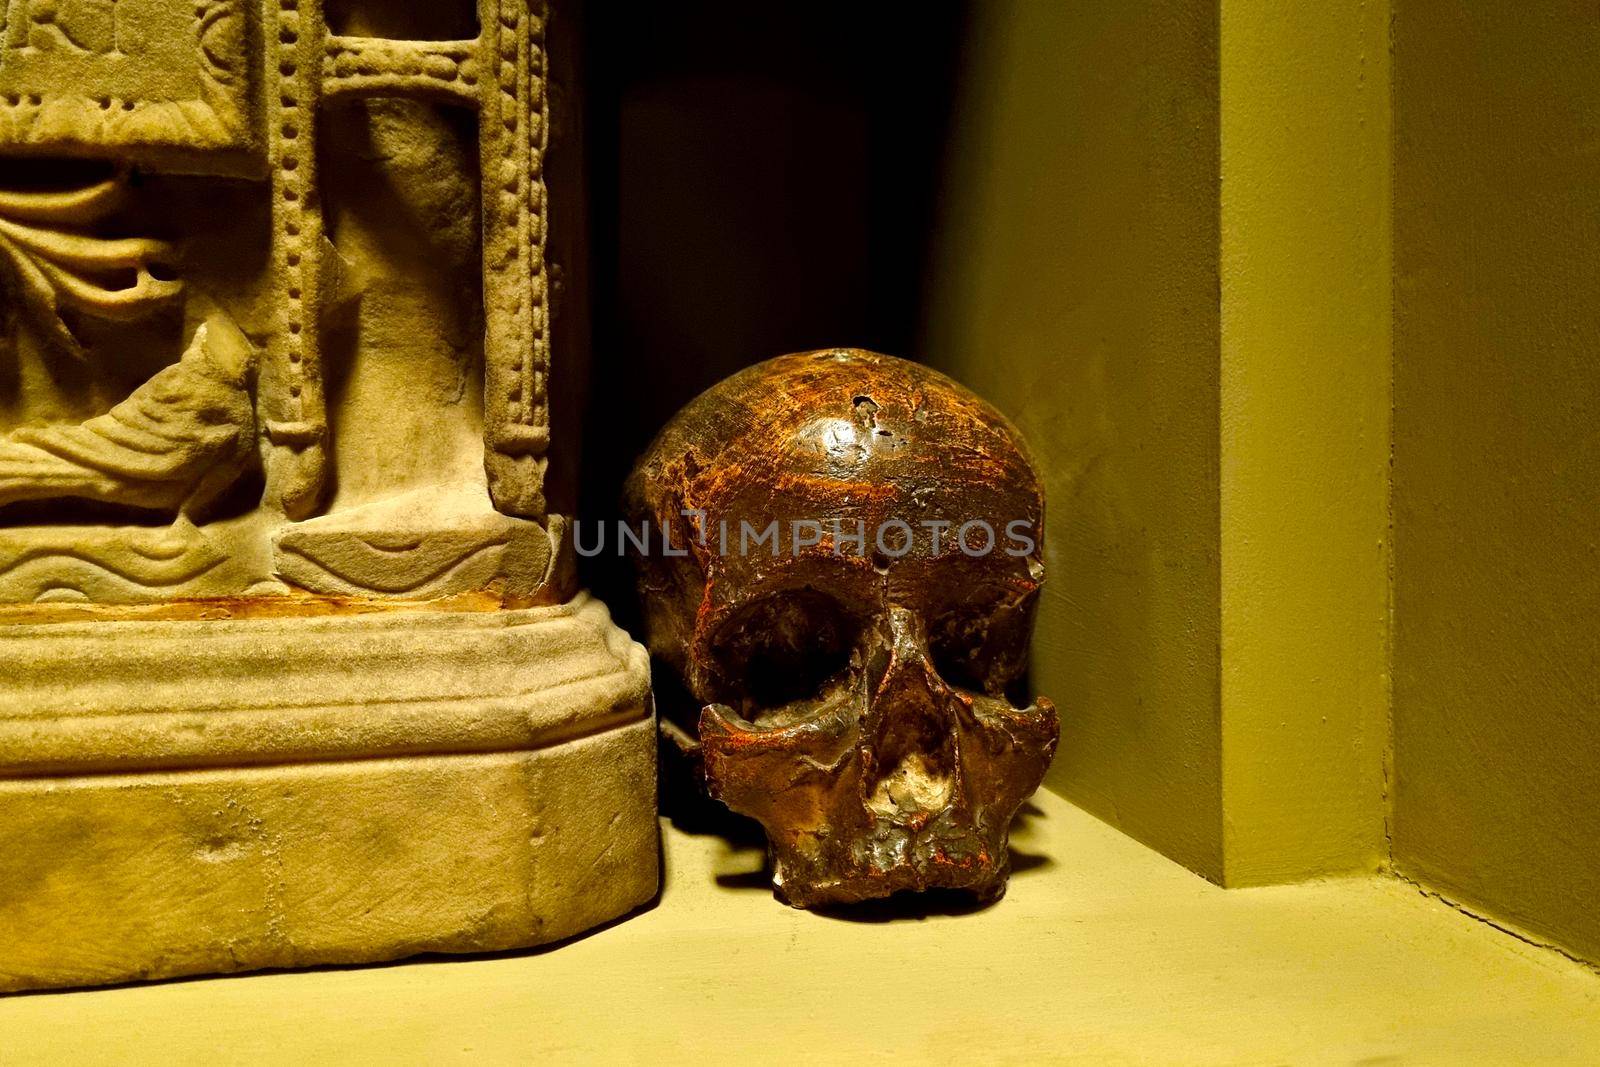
854 699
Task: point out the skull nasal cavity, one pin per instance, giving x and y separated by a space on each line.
913 751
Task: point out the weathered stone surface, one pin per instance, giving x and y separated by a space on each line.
346 352
293 666
271 792
161 82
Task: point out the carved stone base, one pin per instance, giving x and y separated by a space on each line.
184 797
430 543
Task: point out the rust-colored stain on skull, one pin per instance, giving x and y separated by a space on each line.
852 650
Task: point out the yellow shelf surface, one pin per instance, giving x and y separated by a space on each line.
1102 952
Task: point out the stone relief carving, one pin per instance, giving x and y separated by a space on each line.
161 82
47 261
295 669
176 445
333 402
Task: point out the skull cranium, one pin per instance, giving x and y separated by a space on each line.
852 603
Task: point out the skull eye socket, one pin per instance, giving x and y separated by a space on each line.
783 648
982 647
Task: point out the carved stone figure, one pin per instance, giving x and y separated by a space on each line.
846 584
394 286
295 666
175 445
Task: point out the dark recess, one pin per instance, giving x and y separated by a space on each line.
763 179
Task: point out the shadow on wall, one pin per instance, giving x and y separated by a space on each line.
763 180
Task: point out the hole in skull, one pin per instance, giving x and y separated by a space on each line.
783 648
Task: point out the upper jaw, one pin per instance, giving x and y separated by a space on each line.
892 859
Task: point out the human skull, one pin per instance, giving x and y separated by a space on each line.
853 669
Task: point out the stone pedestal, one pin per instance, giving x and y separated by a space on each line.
202 795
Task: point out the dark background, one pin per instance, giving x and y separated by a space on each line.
762 179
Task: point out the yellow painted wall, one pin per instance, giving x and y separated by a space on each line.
1305 436
1497 459
1167 257
1077 289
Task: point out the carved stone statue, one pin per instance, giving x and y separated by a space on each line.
846 583
295 667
